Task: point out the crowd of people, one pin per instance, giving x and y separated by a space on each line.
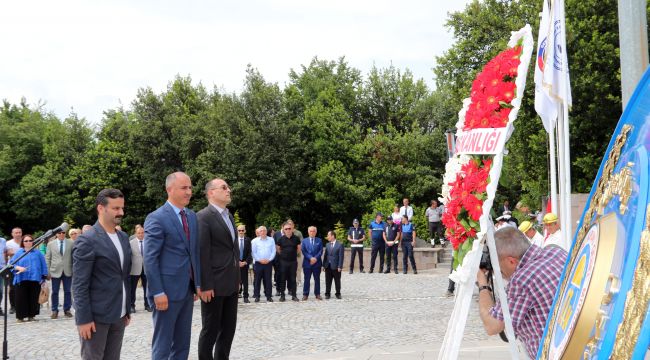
180 256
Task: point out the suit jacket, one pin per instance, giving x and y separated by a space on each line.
169 257
137 261
333 257
58 264
99 277
311 251
248 250
219 253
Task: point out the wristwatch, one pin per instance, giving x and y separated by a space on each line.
485 287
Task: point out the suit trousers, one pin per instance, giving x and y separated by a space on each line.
67 294
288 276
262 272
27 305
329 275
407 250
243 286
172 329
219 320
308 272
353 252
391 252
105 343
134 287
381 249
276 273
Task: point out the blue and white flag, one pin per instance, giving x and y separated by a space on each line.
552 84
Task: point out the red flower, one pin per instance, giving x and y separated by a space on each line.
474 207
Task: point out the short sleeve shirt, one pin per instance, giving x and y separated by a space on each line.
407 231
376 231
356 233
391 232
288 247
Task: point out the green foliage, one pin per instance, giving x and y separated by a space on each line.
341 233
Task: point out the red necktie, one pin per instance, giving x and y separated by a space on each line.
186 227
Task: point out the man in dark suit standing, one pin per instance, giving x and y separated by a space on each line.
312 250
172 267
220 273
333 264
245 259
101 262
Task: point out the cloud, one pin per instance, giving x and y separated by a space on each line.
92 55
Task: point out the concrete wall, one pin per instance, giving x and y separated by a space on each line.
425 258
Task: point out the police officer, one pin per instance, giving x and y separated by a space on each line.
391 238
408 240
378 238
356 237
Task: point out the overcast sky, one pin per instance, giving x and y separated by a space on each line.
95 55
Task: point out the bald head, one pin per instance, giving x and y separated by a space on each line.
179 189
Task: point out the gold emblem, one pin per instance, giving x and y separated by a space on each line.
637 300
621 185
589 216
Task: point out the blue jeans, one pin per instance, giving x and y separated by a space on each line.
67 295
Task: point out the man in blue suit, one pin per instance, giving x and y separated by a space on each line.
312 250
333 264
101 263
172 266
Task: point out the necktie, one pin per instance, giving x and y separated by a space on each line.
61 246
241 248
312 242
141 249
186 227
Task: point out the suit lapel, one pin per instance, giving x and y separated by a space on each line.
109 244
176 223
220 220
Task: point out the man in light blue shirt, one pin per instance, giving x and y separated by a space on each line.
263 249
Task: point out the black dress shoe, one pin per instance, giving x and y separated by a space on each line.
350 273
327 297
282 299
338 297
415 271
257 299
387 272
148 308
371 270
294 298
396 272
363 272
270 299
246 300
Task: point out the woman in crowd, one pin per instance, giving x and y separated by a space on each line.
29 273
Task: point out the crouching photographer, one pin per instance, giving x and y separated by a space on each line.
533 274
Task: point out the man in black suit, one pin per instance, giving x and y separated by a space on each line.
101 263
287 249
333 264
220 272
245 259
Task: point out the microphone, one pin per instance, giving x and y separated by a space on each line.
48 234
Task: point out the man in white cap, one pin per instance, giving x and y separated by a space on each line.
553 232
531 233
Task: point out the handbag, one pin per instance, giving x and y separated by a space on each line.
44 294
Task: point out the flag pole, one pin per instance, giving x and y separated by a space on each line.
553 165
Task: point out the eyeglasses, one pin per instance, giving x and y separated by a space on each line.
222 187
287 229
28 241
241 230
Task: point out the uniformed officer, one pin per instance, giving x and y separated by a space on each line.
378 242
391 237
356 237
408 240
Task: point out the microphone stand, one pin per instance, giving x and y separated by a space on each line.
6 270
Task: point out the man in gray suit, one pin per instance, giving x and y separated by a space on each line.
137 267
333 264
101 262
58 257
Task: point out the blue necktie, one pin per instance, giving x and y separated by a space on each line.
61 246
241 248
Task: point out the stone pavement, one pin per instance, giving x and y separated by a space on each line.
381 316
